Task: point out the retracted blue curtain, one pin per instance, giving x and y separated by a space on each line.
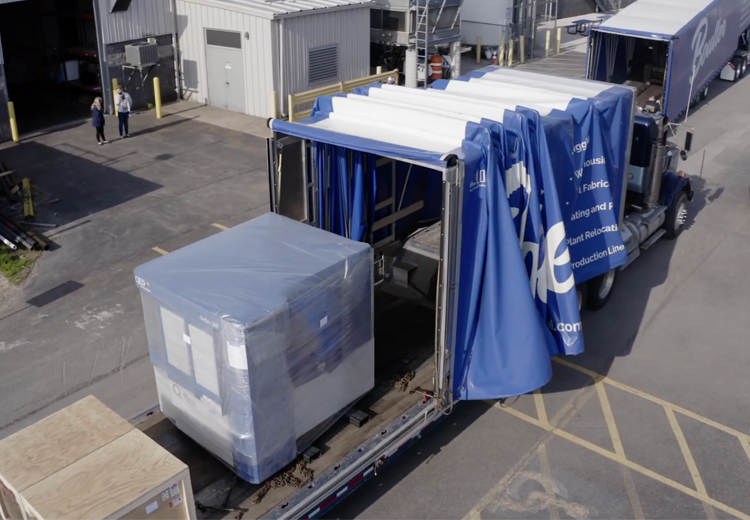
346 190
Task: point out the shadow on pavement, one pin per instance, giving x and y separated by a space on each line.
429 446
611 332
83 186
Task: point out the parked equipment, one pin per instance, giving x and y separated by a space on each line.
672 51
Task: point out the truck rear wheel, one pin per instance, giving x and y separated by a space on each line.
582 294
704 94
600 289
676 216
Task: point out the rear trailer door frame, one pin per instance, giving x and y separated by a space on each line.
361 464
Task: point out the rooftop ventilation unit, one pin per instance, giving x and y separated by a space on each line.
142 54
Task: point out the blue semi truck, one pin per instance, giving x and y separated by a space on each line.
671 51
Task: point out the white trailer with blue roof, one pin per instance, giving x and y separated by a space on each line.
499 200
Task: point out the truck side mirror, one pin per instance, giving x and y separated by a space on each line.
688 141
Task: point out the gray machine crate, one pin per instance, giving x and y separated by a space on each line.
261 337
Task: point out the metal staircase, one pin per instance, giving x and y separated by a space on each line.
608 6
435 23
422 40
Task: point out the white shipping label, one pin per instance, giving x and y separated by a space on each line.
324 322
204 359
165 496
176 501
175 489
237 356
178 354
152 507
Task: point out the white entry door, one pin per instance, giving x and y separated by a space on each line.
226 73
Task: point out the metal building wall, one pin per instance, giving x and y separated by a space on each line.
350 28
259 52
144 18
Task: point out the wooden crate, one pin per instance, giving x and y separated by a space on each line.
85 461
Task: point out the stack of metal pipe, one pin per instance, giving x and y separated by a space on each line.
14 237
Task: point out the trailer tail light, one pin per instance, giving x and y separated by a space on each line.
731 64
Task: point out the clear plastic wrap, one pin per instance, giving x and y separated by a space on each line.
260 336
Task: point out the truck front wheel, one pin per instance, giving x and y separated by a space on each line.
676 216
600 289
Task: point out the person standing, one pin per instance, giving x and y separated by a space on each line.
124 103
97 120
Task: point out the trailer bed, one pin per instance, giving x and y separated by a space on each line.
404 362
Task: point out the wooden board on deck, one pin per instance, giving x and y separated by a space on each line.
33 454
87 462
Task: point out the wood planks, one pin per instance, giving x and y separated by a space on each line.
87 462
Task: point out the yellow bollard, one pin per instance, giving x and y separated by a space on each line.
379 69
557 40
547 37
479 49
114 93
501 53
522 49
510 52
13 122
157 97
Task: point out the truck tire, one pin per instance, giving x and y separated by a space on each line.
600 289
704 94
582 294
676 213
743 67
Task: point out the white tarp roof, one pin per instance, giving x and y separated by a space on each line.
435 120
282 8
656 17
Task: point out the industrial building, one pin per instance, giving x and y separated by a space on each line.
248 55
58 55
243 55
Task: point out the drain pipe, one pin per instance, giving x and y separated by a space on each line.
176 47
282 89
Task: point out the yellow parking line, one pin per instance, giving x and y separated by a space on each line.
220 226
653 399
160 250
610 418
554 512
745 445
689 460
627 463
541 411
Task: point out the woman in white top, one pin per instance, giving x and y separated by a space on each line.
124 103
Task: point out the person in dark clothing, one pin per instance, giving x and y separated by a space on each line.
97 120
